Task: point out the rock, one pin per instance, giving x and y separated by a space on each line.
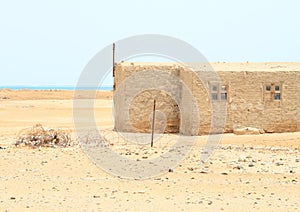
190 168
247 131
251 164
239 167
203 172
297 160
242 158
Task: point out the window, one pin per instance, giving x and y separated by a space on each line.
272 92
214 96
218 92
223 96
223 92
277 96
214 88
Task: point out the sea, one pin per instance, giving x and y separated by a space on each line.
22 87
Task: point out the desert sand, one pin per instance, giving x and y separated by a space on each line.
245 173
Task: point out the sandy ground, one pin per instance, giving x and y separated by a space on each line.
245 173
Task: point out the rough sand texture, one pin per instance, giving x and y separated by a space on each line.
245 173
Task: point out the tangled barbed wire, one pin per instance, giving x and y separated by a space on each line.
39 136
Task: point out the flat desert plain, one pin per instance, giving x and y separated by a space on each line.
244 173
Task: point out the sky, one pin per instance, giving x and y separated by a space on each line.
49 42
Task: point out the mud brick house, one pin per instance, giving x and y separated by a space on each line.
261 95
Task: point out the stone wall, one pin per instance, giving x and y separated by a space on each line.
136 93
248 103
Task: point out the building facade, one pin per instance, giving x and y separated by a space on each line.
212 98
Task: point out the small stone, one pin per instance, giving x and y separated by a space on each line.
297 160
242 159
278 163
251 164
170 170
141 192
239 167
12 198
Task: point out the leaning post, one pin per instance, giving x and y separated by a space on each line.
153 122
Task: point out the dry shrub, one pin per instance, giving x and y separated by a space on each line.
38 136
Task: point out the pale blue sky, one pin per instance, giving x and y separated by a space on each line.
49 42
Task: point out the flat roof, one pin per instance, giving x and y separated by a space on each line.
229 66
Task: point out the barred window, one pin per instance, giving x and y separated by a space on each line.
272 92
218 92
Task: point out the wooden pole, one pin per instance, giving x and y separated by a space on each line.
113 59
153 122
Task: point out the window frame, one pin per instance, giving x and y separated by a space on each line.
222 89
271 93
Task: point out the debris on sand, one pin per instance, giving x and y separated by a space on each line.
38 136
248 131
